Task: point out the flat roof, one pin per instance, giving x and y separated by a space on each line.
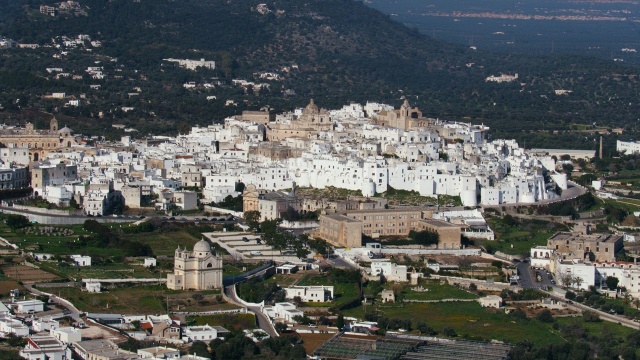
341 217
439 223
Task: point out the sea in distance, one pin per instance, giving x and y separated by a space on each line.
604 29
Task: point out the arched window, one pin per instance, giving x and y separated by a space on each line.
209 265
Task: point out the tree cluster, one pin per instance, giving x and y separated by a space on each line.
282 240
102 236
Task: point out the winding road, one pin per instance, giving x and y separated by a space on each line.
264 322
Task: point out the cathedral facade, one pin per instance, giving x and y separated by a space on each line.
39 142
199 269
404 118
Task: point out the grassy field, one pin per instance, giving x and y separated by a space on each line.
106 271
164 243
519 238
140 300
437 291
54 243
343 292
8 285
630 205
470 320
228 321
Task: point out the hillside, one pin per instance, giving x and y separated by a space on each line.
335 51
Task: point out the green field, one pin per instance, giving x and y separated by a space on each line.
519 238
148 299
106 271
343 292
437 291
470 320
164 243
228 321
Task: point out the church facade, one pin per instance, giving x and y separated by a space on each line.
39 142
404 118
199 269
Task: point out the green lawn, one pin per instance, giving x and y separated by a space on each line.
437 291
164 243
107 271
228 321
343 292
147 299
518 238
630 205
468 319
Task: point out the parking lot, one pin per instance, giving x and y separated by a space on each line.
248 246
528 277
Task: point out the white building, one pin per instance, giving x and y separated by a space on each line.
573 270
193 64
93 286
282 310
10 325
81 260
199 269
310 293
67 335
27 306
204 333
390 271
493 301
628 147
158 353
44 324
41 347
541 257
149 262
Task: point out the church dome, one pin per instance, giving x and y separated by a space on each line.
311 108
65 130
202 246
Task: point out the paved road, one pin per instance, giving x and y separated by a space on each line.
558 294
526 280
73 311
264 322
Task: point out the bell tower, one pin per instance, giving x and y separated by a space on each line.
53 126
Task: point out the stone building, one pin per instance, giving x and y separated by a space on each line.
199 269
44 175
340 230
311 121
404 118
593 247
39 142
449 234
264 116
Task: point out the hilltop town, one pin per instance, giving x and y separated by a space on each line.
334 229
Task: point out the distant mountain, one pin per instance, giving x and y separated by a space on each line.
335 51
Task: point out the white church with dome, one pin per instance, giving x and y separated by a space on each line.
199 269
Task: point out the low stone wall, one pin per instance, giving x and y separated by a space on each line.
39 210
286 224
461 252
503 256
50 219
482 285
223 211
213 312
437 301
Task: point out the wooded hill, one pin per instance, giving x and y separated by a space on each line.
344 51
